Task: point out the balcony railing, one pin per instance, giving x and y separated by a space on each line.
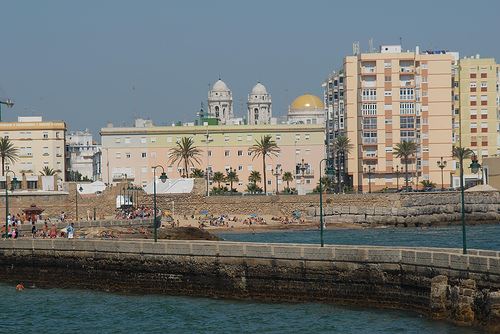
370 141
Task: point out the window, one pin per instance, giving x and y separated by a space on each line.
127 140
143 140
45 135
388 121
369 109
127 155
387 64
406 93
250 168
32 184
407 108
484 97
388 93
408 136
473 111
307 136
169 139
117 140
369 123
387 78
240 168
118 155
240 153
484 84
424 79
407 122
483 111
143 155
249 137
153 139
297 137
209 153
473 84
240 138
278 137
226 153
226 139
369 94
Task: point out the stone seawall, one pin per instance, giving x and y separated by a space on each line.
441 283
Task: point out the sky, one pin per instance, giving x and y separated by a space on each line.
97 61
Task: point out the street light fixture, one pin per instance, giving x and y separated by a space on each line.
442 164
163 179
9 103
398 171
276 173
329 172
370 170
14 180
303 168
475 166
76 199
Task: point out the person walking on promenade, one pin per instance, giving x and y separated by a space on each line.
45 230
33 230
62 216
53 231
71 231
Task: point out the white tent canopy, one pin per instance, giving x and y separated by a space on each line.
171 186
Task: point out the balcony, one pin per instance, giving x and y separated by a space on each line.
368 84
368 70
370 155
407 70
121 177
370 141
407 83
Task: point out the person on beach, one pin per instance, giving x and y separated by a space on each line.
70 230
53 231
33 230
20 287
45 230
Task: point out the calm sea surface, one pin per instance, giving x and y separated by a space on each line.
78 311
479 236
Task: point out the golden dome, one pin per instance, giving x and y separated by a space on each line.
307 102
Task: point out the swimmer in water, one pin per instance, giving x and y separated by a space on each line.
20 287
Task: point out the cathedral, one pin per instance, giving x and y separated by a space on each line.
220 104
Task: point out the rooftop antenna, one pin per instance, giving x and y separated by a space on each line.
370 45
401 42
355 48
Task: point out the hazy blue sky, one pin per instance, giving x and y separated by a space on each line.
90 62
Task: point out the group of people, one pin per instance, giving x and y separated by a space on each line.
141 212
254 221
286 220
45 232
222 221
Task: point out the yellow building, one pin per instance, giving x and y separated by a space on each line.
478 97
393 96
40 144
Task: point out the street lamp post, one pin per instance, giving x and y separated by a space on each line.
442 164
475 166
303 170
397 175
76 200
14 180
321 200
369 171
276 173
9 103
163 178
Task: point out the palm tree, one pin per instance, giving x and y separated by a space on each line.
287 177
264 147
231 177
218 177
185 152
47 171
403 151
462 153
342 147
8 152
197 173
254 177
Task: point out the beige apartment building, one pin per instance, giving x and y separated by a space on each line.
40 144
393 96
131 152
477 106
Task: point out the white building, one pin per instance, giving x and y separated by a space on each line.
81 153
220 102
306 109
259 105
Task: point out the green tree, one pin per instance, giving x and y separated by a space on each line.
198 173
185 152
47 171
287 177
428 184
404 151
462 153
231 177
254 177
263 148
342 147
253 188
218 177
8 152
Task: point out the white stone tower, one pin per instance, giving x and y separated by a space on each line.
259 105
220 102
